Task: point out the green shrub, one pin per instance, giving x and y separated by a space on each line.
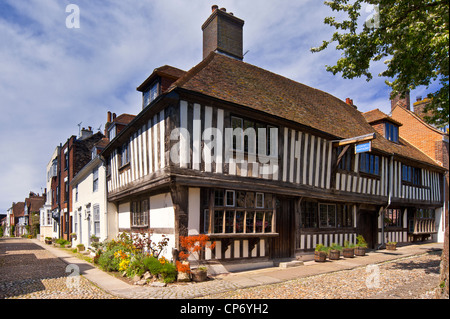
152 265
168 272
136 266
107 261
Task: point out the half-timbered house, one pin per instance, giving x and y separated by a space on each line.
264 165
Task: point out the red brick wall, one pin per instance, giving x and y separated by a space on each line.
417 133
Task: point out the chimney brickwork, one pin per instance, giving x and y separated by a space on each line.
223 33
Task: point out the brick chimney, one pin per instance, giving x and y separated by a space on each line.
404 102
222 33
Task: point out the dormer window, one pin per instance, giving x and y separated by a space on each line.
391 132
150 94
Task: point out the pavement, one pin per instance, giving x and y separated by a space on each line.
237 280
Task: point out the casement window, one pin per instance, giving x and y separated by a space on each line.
139 213
125 154
323 215
346 162
369 163
150 94
327 215
66 160
412 175
96 219
393 218
49 217
254 138
391 132
240 213
95 180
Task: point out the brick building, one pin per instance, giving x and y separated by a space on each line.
72 157
433 141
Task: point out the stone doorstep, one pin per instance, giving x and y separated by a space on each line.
290 264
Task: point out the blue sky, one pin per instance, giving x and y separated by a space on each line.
53 77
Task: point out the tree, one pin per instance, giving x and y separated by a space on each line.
413 37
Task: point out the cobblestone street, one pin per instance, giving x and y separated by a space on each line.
28 271
410 278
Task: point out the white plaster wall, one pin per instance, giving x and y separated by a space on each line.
162 216
194 212
124 216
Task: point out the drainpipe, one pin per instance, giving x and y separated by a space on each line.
390 187
103 160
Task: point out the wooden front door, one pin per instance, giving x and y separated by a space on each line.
366 225
283 244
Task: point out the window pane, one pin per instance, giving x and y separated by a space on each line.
229 198
259 222
268 222
323 215
229 221
218 198
259 200
250 222
218 221
240 199
268 201
240 222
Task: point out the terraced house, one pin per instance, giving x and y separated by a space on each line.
264 165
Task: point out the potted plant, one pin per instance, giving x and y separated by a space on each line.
94 239
320 253
391 245
349 250
73 236
195 246
361 246
48 240
335 251
80 247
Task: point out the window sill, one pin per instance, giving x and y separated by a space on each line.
241 235
124 166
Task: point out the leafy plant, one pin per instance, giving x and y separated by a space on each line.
320 247
335 246
361 242
347 244
194 246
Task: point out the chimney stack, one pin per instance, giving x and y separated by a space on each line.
223 33
402 101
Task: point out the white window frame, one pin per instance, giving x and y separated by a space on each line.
226 198
256 200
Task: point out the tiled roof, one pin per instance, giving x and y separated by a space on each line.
235 81
18 209
376 115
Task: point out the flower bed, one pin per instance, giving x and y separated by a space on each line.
134 255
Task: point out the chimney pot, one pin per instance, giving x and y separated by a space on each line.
214 7
349 101
223 9
109 117
90 128
418 98
114 116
